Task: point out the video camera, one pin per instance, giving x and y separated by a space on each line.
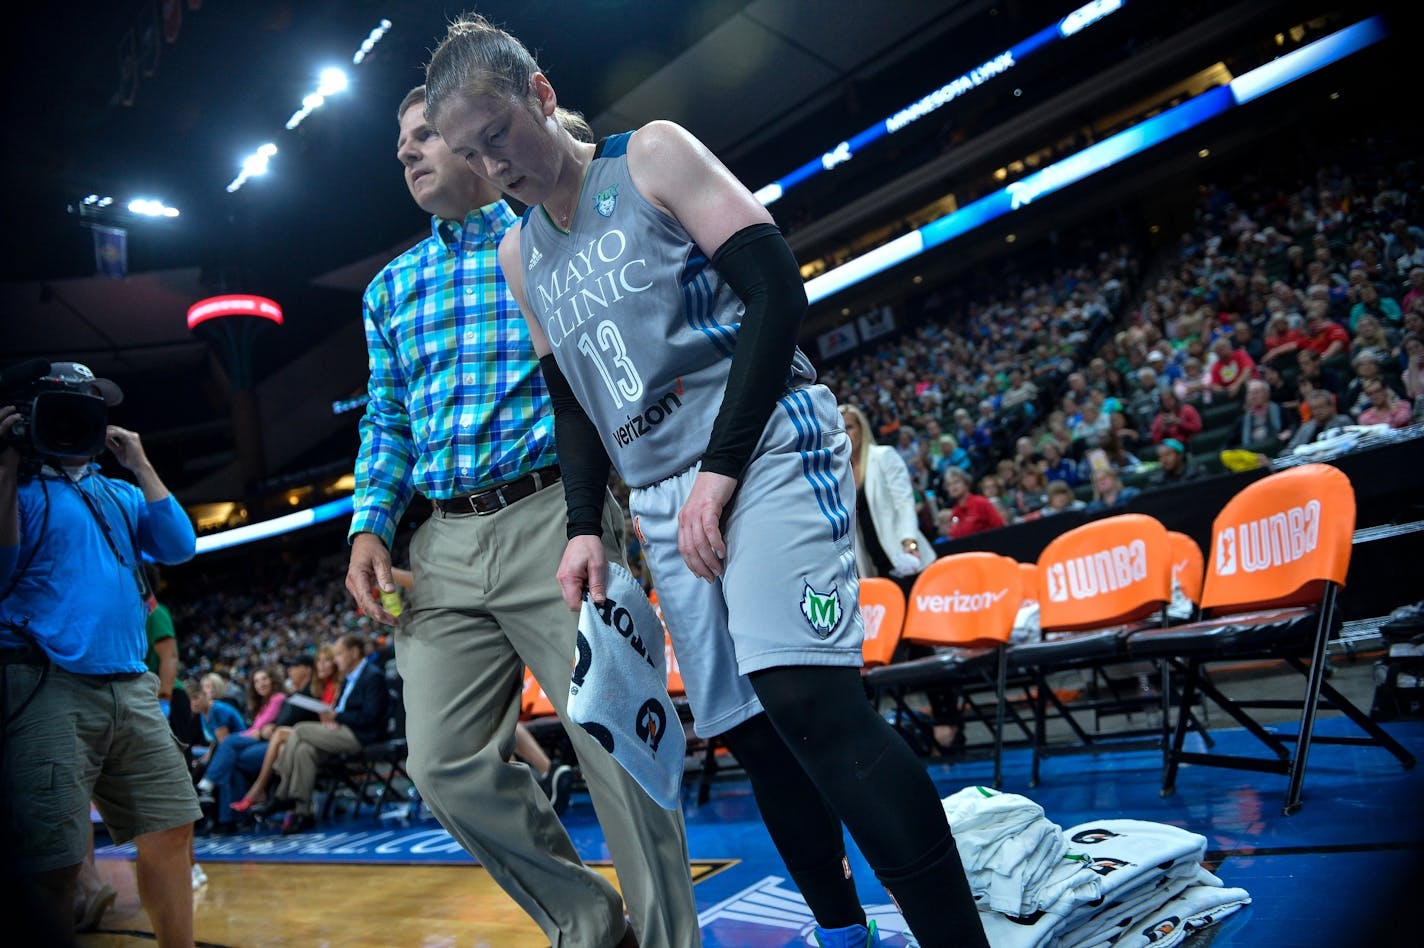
63 408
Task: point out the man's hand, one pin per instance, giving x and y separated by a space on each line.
370 569
699 524
327 719
584 566
127 449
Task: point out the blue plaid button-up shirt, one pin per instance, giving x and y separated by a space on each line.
457 402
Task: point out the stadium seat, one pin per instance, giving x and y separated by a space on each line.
534 702
377 766
882 607
1188 566
1280 552
1097 582
964 604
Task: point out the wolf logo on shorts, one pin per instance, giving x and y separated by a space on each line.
822 610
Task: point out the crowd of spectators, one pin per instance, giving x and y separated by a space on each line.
1286 312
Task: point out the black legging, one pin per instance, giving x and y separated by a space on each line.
836 757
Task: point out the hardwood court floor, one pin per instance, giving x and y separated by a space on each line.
1345 870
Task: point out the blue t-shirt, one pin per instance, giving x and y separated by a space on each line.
75 573
221 714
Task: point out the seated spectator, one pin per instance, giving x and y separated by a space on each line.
1281 340
1174 467
969 513
1055 466
1247 341
1264 426
1175 420
241 754
1060 499
1143 402
1386 408
1283 392
1021 391
1372 303
1120 427
991 486
1413 376
1323 336
313 676
1415 294
1312 370
1108 492
1094 426
357 719
946 454
217 719
1111 453
1231 369
1370 334
1369 367
1323 418
1194 386
1031 493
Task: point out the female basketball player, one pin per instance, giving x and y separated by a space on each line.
665 307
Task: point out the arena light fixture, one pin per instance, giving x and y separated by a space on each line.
1110 151
253 165
234 304
287 523
1071 25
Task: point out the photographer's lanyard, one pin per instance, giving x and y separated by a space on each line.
103 523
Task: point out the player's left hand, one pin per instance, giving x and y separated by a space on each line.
699 524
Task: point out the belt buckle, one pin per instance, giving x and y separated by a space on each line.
499 495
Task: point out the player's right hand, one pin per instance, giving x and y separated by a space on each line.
370 569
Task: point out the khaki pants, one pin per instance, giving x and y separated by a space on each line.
485 604
310 743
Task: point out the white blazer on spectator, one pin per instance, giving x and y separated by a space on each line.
893 517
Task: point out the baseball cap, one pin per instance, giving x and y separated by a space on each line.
1175 445
77 375
304 658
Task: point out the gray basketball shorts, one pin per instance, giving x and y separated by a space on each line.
789 594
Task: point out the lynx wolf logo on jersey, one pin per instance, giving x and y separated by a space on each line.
606 200
1267 542
822 610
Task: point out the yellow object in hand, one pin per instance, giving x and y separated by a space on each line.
391 601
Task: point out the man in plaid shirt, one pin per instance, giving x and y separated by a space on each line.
459 411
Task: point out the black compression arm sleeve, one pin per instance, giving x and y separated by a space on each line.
583 460
760 268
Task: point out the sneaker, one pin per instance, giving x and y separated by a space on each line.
92 909
558 784
200 878
852 936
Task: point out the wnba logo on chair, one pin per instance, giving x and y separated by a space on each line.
1267 542
1096 574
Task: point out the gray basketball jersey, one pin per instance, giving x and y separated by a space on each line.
640 323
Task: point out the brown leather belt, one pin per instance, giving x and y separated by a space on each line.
494 499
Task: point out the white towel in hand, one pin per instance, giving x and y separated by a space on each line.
618 692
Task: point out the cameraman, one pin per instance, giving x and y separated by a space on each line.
81 715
